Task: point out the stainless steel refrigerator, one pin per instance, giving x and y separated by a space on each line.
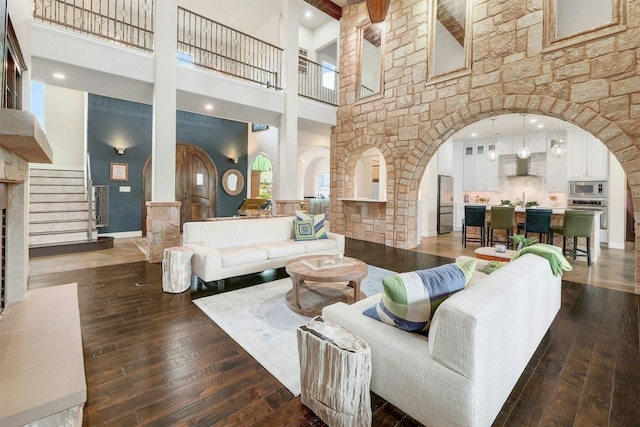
445 204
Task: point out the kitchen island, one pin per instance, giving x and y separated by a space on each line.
556 219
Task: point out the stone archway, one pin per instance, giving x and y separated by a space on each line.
620 144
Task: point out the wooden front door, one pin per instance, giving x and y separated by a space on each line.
196 184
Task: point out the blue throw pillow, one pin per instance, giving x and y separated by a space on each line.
409 300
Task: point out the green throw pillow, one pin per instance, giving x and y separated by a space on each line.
467 266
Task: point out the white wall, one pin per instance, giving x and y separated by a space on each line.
312 177
64 115
617 204
429 198
325 35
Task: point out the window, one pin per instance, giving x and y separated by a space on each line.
371 48
449 53
37 101
567 22
328 75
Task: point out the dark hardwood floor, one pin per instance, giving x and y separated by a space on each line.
153 358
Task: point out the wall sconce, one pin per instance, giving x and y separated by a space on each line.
233 160
120 150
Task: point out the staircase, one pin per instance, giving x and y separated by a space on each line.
59 213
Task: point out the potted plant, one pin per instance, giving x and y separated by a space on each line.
522 241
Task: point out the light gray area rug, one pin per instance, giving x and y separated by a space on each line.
259 320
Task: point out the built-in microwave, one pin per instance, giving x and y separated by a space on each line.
588 189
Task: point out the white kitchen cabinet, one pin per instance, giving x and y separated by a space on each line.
457 171
445 158
468 168
587 157
505 146
492 172
479 173
537 143
597 158
458 215
557 174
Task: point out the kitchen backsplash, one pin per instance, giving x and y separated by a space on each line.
532 186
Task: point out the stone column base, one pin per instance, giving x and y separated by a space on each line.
163 228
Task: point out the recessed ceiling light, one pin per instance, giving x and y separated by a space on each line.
308 14
540 126
474 133
533 120
59 76
208 107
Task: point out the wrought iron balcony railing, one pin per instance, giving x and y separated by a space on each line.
209 44
317 81
126 22
202 42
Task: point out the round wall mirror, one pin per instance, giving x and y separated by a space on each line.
233 182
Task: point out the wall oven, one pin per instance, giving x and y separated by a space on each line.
588 189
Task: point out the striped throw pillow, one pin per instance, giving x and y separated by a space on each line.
409 300
317 221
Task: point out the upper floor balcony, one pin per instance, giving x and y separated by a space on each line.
203 46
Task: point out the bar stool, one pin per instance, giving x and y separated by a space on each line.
501 219
576 224
537 221
474 216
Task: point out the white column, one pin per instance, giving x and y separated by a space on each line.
288 135
164 102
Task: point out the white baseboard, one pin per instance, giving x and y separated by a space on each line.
615 245
122 235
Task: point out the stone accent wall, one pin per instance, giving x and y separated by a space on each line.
594 84
365 220
163 228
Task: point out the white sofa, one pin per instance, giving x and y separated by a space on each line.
480 341
231 247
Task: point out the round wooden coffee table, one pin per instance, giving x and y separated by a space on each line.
319 280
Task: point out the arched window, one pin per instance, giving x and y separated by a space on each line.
262 177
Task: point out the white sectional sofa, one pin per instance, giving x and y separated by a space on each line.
231 247
479 343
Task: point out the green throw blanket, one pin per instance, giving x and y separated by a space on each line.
553 254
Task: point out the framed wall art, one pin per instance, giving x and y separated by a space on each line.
119 172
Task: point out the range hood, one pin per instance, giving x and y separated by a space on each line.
523 167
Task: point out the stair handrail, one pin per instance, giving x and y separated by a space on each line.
89 196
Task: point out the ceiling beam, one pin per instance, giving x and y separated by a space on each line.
328 7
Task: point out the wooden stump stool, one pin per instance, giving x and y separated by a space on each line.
176 269
335 372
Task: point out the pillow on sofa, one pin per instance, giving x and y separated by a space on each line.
303 230
409 300
317 221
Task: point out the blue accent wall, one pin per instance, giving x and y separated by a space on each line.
114 122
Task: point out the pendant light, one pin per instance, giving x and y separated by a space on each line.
524 152
558 146
492 154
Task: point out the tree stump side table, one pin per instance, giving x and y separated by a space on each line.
335 374
176 269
